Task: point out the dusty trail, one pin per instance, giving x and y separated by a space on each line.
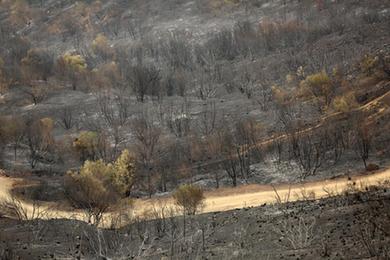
229 198
267 194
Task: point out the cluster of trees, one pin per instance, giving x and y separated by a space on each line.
33 134
343 127
99 186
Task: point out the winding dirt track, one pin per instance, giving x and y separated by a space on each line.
229 198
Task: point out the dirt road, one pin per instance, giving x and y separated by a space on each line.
267 194
231 198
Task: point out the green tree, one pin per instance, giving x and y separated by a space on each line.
71 67
99 186
319 86
189 198
91 145
124 172
344 103
92 189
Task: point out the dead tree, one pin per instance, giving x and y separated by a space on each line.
175 83
177 52
246 84
145 80
228 150
296 234
115 113
206 86
262 90
336 139
147 136
67 117
244 158
308 152
179 120
208 119
35 90
40 141
362 140
13 131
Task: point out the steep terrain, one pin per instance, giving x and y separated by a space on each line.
277 112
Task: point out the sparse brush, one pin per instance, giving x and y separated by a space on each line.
12 207
299 233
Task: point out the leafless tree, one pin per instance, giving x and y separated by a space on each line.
177 52
14 208
372 227
245 136
173 232
337 139
362 140
207 84
40 142
223 45
175 83
107 244
246 38
178 119
308 152
208 118
277 147
115 112
107 108
237 148
147 136
145 81
123 105
208 71
298 233
67 118
36 90
246 84
228 150
12 132
262 90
